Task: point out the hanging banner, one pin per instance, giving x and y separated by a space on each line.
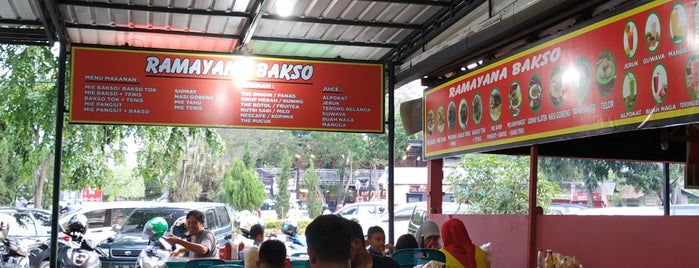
118 86
635 70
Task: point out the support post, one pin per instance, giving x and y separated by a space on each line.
533 211
666 182
391 150
57 151
435 174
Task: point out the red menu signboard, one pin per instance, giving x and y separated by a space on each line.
637 69
117 86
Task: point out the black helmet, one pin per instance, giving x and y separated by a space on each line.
77 224
290 227
179 228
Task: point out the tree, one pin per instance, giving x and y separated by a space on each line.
242 189
124 184
28 86
496 184
184 161
591 172
265 144
248 158
313 198
282 195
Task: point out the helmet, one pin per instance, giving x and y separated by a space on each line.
155 228
179 228
77 224
289 228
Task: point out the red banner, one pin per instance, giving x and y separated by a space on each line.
91 195
634 70
117 86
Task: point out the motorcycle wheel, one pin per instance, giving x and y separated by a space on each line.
44 264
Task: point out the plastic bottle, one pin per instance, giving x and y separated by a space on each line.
234 252
550 261
241 248
540 255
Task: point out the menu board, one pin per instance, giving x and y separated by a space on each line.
637 69
118 86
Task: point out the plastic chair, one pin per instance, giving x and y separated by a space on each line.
417 256
199 263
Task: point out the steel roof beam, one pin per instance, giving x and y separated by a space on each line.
23 33
144 30
442 3
14 41
175 10
435 26
20 22
325 42
344 22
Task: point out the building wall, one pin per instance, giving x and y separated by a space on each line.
595 241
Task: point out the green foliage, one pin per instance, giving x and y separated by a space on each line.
28 86
313 201
125 184
282 195
495 184
242 189
248 158
274 226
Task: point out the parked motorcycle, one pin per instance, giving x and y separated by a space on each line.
74 251
12 255
156 253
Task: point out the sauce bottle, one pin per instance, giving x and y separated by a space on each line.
550 261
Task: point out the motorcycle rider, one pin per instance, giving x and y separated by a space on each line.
11 253
290 228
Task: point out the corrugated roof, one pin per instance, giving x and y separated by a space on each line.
347 29
422 37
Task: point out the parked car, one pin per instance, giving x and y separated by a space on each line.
565 209
104 217
401 217
124 248
420 213
361 212
29 227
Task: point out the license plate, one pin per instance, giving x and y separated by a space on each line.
124 266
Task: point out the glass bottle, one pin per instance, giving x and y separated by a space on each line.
550 261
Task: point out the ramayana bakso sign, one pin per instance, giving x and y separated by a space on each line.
117 86
637 69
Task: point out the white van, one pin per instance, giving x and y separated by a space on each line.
105 217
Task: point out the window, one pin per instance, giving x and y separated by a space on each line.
95 218
43 223
417 217
349 211
21 224
119 215
223 217
366 210
211 219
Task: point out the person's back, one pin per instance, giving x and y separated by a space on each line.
406 241
272 254
428 235
328 239
460 252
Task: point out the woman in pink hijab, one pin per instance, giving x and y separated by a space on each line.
458 248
